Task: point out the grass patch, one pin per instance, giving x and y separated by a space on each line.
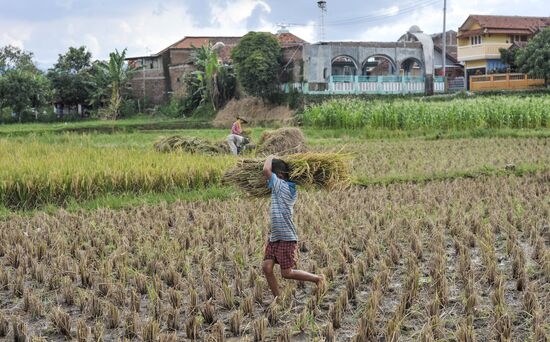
140 123
128 200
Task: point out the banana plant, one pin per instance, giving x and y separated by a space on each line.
116 73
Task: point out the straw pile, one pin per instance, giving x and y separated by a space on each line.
282 141
321 170
189 145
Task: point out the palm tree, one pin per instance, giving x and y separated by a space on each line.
116 74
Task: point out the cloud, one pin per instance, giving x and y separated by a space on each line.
15 35
125 27
142 30
48 28
65 4
233 14
93 45
308 33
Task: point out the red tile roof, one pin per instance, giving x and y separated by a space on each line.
505 24
287 39
189 42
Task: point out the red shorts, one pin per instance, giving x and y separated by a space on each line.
282 252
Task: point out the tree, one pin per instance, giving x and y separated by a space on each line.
116 73
22 86
508 57
75 60
256 59
534 58
71 77
22 91
13 58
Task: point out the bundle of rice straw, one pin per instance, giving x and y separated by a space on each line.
189 145
247 133
282 141
322 170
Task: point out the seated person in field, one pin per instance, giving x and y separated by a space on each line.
235 140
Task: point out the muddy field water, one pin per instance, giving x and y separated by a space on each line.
434 261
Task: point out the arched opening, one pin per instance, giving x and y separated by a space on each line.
379 65
412 67
344 66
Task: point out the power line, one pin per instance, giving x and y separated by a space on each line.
411 6
373 18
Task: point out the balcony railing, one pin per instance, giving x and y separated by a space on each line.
487 50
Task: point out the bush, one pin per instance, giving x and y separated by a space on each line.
42 115
174 108
128 108
204 111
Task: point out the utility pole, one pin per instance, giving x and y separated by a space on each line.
444 57
323 7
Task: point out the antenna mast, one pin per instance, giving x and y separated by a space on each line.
322 4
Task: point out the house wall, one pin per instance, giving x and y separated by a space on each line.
495 64
293 64
155 89
496 39
318 57
177 78
153 80
181 56
476 64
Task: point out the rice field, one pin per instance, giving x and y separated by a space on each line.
34 174
448 240
457 114
55 170
416 158
458 260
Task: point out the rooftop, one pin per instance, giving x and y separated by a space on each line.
506 22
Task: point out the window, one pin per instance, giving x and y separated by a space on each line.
147 63
519 38
475 40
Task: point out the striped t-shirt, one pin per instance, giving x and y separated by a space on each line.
283 197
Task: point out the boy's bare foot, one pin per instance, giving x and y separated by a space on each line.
321 284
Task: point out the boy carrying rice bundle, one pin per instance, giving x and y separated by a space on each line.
282 245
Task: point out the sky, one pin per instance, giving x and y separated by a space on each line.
49 27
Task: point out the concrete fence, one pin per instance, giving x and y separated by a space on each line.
370 85
503 81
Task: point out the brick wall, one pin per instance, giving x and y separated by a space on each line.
152 77
155 89
181 56
177 75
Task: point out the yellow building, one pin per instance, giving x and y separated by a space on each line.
481 37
